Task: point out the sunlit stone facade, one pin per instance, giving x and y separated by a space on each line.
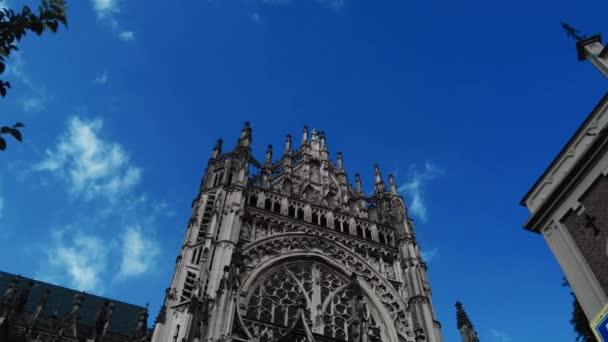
286 249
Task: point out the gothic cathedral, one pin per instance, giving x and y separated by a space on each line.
290 251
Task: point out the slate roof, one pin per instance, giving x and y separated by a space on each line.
61 300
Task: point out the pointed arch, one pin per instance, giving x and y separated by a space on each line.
268 254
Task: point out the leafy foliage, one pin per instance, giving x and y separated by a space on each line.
579 321
13 27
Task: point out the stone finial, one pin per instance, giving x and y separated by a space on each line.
287 145
11 291
141 331
322 140
245 138
393 186
467 333
22 298
305 136
268 161
39 307
358 187
379 185
217 149
461 316
340 163
102 320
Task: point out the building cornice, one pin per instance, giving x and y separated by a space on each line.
556 171
568 182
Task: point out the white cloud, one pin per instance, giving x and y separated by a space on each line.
36 98
81 259
255 18
499 335
415 188
126 36
277 2
107 10
138 252
92 166
102 79
36 101
336 5
430 254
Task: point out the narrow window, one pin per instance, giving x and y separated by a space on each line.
381 238
291 211
268 204
277 207
359 231
253 199
193 256
368 233
300 214
323 221
229 179
337 225
315 218
345 227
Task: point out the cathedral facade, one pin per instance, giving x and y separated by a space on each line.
286 249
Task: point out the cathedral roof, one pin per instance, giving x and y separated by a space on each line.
60 301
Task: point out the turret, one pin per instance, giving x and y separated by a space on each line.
358 187
340 163
379 186
322 140
287 145
245 138
393 186
268 161
305 136
217 149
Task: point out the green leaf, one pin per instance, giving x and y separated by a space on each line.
51 25
12 131
16 134
2 144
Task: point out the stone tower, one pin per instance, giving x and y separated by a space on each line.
285 249
464 325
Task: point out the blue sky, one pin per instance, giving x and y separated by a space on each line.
466 103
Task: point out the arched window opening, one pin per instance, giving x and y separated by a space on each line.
300 214
291 211
337 225
368 233
359 231
253 199
276 207
315 218
345 227
381 238
323 221
229 179
272 302
268 204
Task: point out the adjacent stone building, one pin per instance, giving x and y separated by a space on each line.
286 249
32 310
569 207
